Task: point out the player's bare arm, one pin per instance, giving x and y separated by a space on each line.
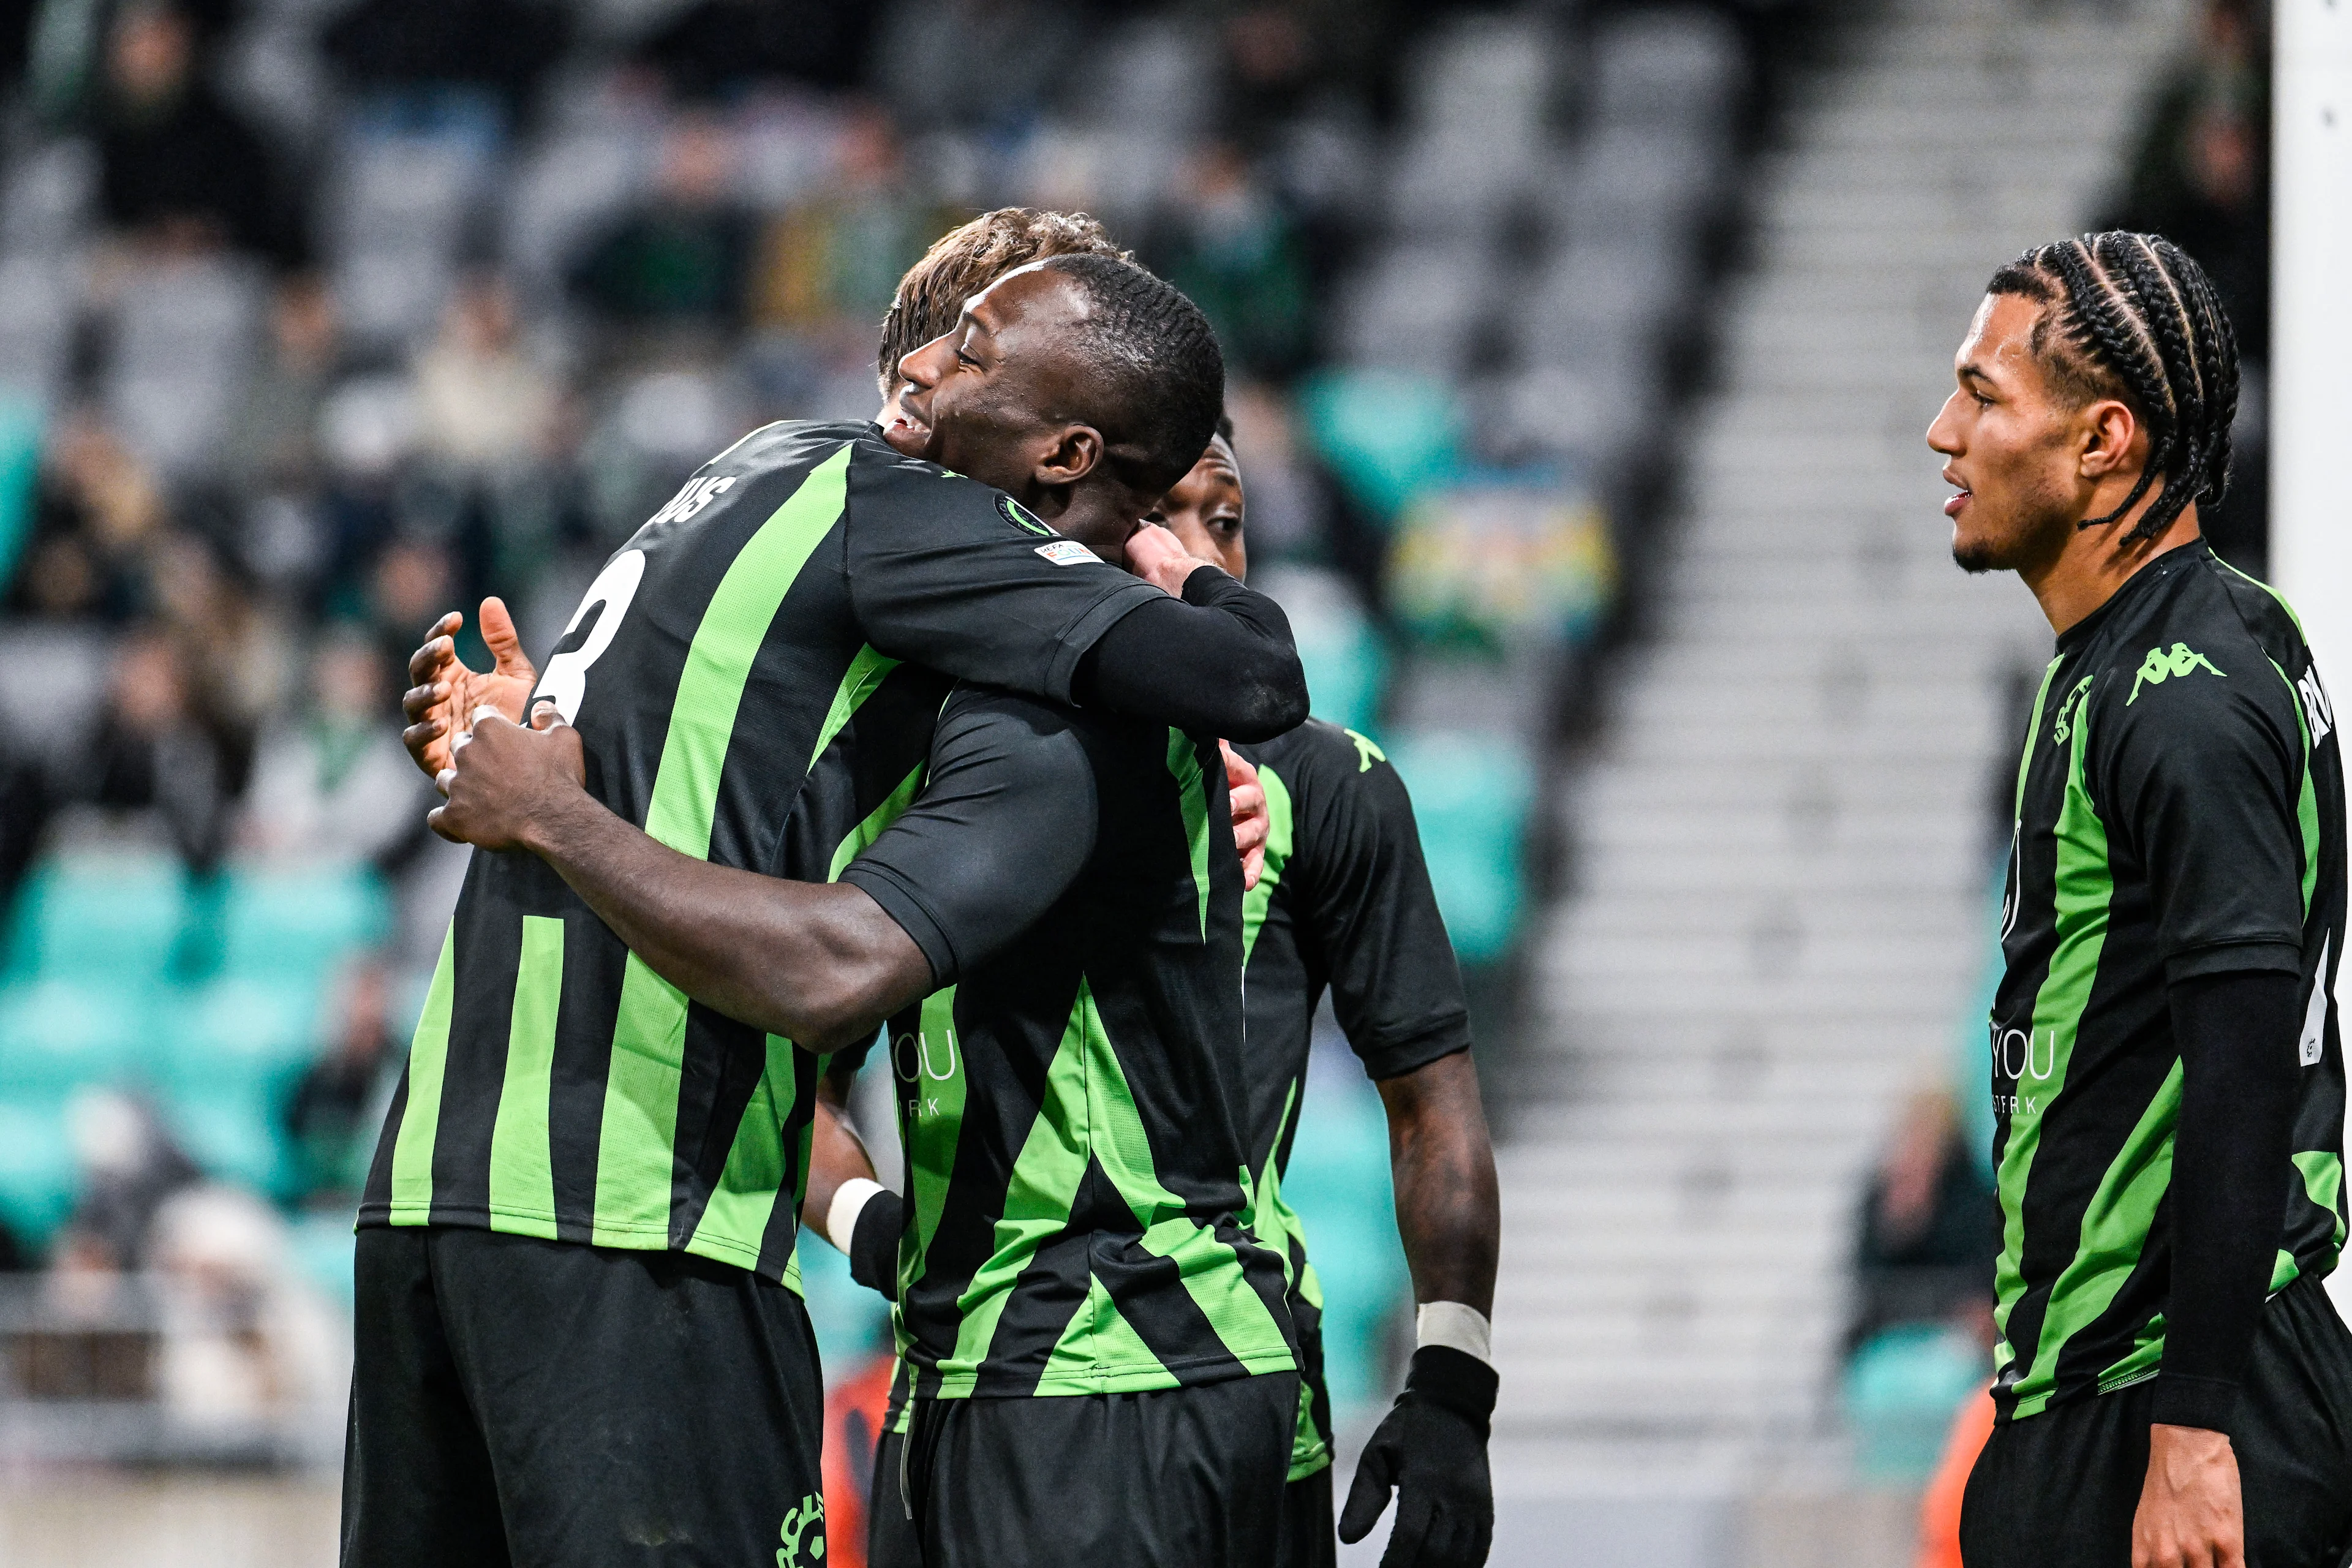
1442 1166
819 963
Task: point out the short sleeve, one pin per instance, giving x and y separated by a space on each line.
945 571
1002 829
2201 770
1365 901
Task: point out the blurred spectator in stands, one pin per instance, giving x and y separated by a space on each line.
273 438
1929 1227
430 63
2200 177
673 268
482 401
1283 58
974 63
157 750
333 783
414 581
827 267
332 1115
1227 242
129 1166
1289 498
244 1338
179 171
716 49
98 517
273 465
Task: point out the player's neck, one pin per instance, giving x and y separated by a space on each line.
1099 517
2095 562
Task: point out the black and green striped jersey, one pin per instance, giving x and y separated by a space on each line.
753 679
1071 1099
1344 905
2180 812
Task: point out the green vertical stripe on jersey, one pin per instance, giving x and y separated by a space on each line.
428 1054
861 680
1038 1193
2114 1224
894 805
932 1133
2323 1182
2306 804
2085 884
2033 733
735 1222
636 1155
1278 832
1192 789
522 1181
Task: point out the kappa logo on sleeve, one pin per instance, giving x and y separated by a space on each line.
2159 667
1068 552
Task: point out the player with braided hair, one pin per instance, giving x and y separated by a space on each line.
2173 1387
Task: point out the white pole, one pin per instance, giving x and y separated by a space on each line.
2311 341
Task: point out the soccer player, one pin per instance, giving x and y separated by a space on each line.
1344 904
2173 1387
574 1262
1056 924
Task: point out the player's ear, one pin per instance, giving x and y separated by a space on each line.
1075 453
2109 431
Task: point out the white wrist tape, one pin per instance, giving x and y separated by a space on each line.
849 1200
1451 1324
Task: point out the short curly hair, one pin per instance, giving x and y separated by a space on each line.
1157 369
967 259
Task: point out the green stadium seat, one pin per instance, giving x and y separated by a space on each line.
37 1173
321 1245
1471 793
56 1034
1903 1388
1339 1183
243 1032
233 1133
276 922
116 916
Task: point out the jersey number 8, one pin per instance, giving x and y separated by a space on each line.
593 626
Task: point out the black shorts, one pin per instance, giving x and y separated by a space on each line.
2061 1487
555 1405
889 1524
1309 1540
1181 1477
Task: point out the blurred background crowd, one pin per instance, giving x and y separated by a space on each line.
320 317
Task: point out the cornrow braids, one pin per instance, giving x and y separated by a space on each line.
2133 317
967 259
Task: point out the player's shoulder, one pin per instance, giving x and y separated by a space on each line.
1322 760
886 486
2206 640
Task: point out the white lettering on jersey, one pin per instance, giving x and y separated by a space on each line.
599 612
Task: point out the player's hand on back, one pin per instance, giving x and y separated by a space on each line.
2192 1513
508 782
445 688
1251 820
1432 1449
1160 558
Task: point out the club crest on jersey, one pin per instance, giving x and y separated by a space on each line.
1022 518
2159 667
1067 552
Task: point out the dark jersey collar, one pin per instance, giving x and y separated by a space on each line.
2156 571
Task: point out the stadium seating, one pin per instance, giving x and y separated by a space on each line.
99 990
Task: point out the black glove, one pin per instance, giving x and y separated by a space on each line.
874 1243
1431 1447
